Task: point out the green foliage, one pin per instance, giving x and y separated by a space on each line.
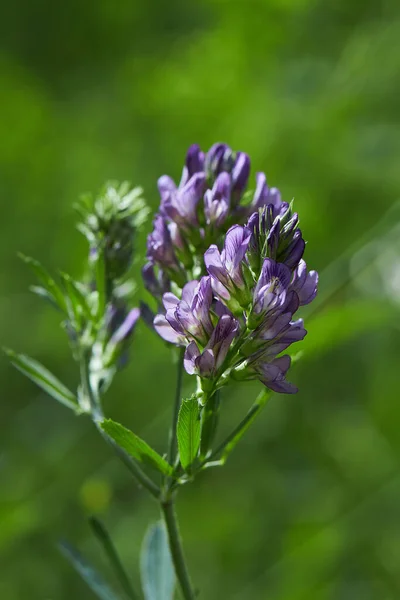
43 378
310 90
50 289
81 311
188 432
158 579
135 447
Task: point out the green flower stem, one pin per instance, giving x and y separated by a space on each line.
89 397
105 540
233 438
172 442
175 544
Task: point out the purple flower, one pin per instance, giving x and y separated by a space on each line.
194 163
188 318
122 328
155 283
272 374
208 362
304 283
219 158
123 332
240 176
180 204
217 200
254 285
205 204
265 196
159 245
292 332
270 292
276 331
275 234
166 186
190 322
226 268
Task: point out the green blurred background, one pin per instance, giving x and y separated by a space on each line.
308 507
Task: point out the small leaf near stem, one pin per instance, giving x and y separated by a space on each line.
48 283
188 432
105 540
135 446
131 465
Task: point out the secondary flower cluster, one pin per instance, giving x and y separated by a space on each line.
236 321
210 197
109 223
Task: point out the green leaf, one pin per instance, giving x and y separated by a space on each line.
157 571
79 304
135 446
46 280
87 572
43 378
43 293
188 431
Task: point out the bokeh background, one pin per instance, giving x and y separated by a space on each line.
308 507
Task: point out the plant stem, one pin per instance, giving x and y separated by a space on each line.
230 442
105 540
134 469
175 545
97 416
172 442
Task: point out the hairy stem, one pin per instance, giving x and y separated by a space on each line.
175 545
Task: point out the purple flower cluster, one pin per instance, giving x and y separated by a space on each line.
237 320
200 323
209 199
